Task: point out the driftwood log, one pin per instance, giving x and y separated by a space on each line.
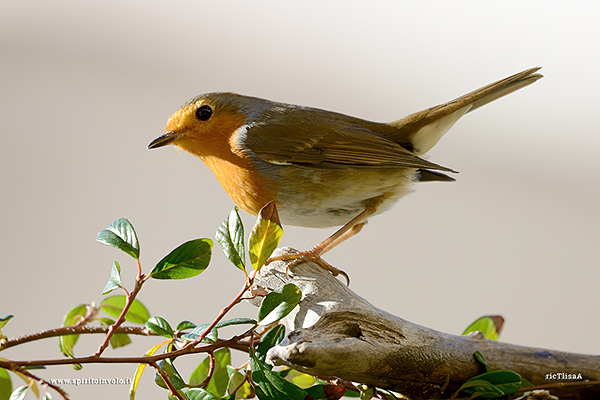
334 333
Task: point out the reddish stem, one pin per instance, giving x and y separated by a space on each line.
225 310
111 331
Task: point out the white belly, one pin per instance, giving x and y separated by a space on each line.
320 205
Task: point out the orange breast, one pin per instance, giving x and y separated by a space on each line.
234 170
241 182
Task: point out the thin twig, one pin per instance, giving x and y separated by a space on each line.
111 331
124 290
211 370
58 389
73 330
236 342
225 310
140 276
246 379
559 385
230 343
172 389
91 312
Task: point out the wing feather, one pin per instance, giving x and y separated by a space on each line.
322 141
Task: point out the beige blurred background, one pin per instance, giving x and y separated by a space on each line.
85 86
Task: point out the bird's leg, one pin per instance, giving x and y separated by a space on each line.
347 235
354 226
324 264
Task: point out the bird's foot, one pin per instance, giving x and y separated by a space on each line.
313 255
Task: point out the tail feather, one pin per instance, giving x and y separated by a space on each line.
422 130
494 91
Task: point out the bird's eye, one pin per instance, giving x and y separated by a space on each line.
204 113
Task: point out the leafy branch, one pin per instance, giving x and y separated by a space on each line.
214 377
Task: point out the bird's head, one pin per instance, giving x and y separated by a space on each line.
206 124
208 127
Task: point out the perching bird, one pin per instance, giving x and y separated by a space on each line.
321 168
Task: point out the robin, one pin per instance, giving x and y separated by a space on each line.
321 168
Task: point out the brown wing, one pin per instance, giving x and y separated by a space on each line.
315 138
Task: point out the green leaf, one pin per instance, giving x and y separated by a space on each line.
316 392
211 337
136 380
220 379
200 394
160 326
235 380
350 393
278 304
481 359
48 396
493 384
120 234
366 392
479 388
236 321
265 235
271 385
525 383
183 325
507 381
76 314
176 379
485 325
115 279
31 383
262 395
67 342
114 305
270 339
119 340
4 320
186 261
5 384
140 370
230 236
301 379
19 393
329 392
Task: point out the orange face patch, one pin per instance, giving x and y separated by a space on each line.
212 142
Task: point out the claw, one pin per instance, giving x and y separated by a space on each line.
308 255
341 235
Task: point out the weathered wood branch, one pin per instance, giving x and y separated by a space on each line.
336 333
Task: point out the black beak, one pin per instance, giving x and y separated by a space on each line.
165 139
